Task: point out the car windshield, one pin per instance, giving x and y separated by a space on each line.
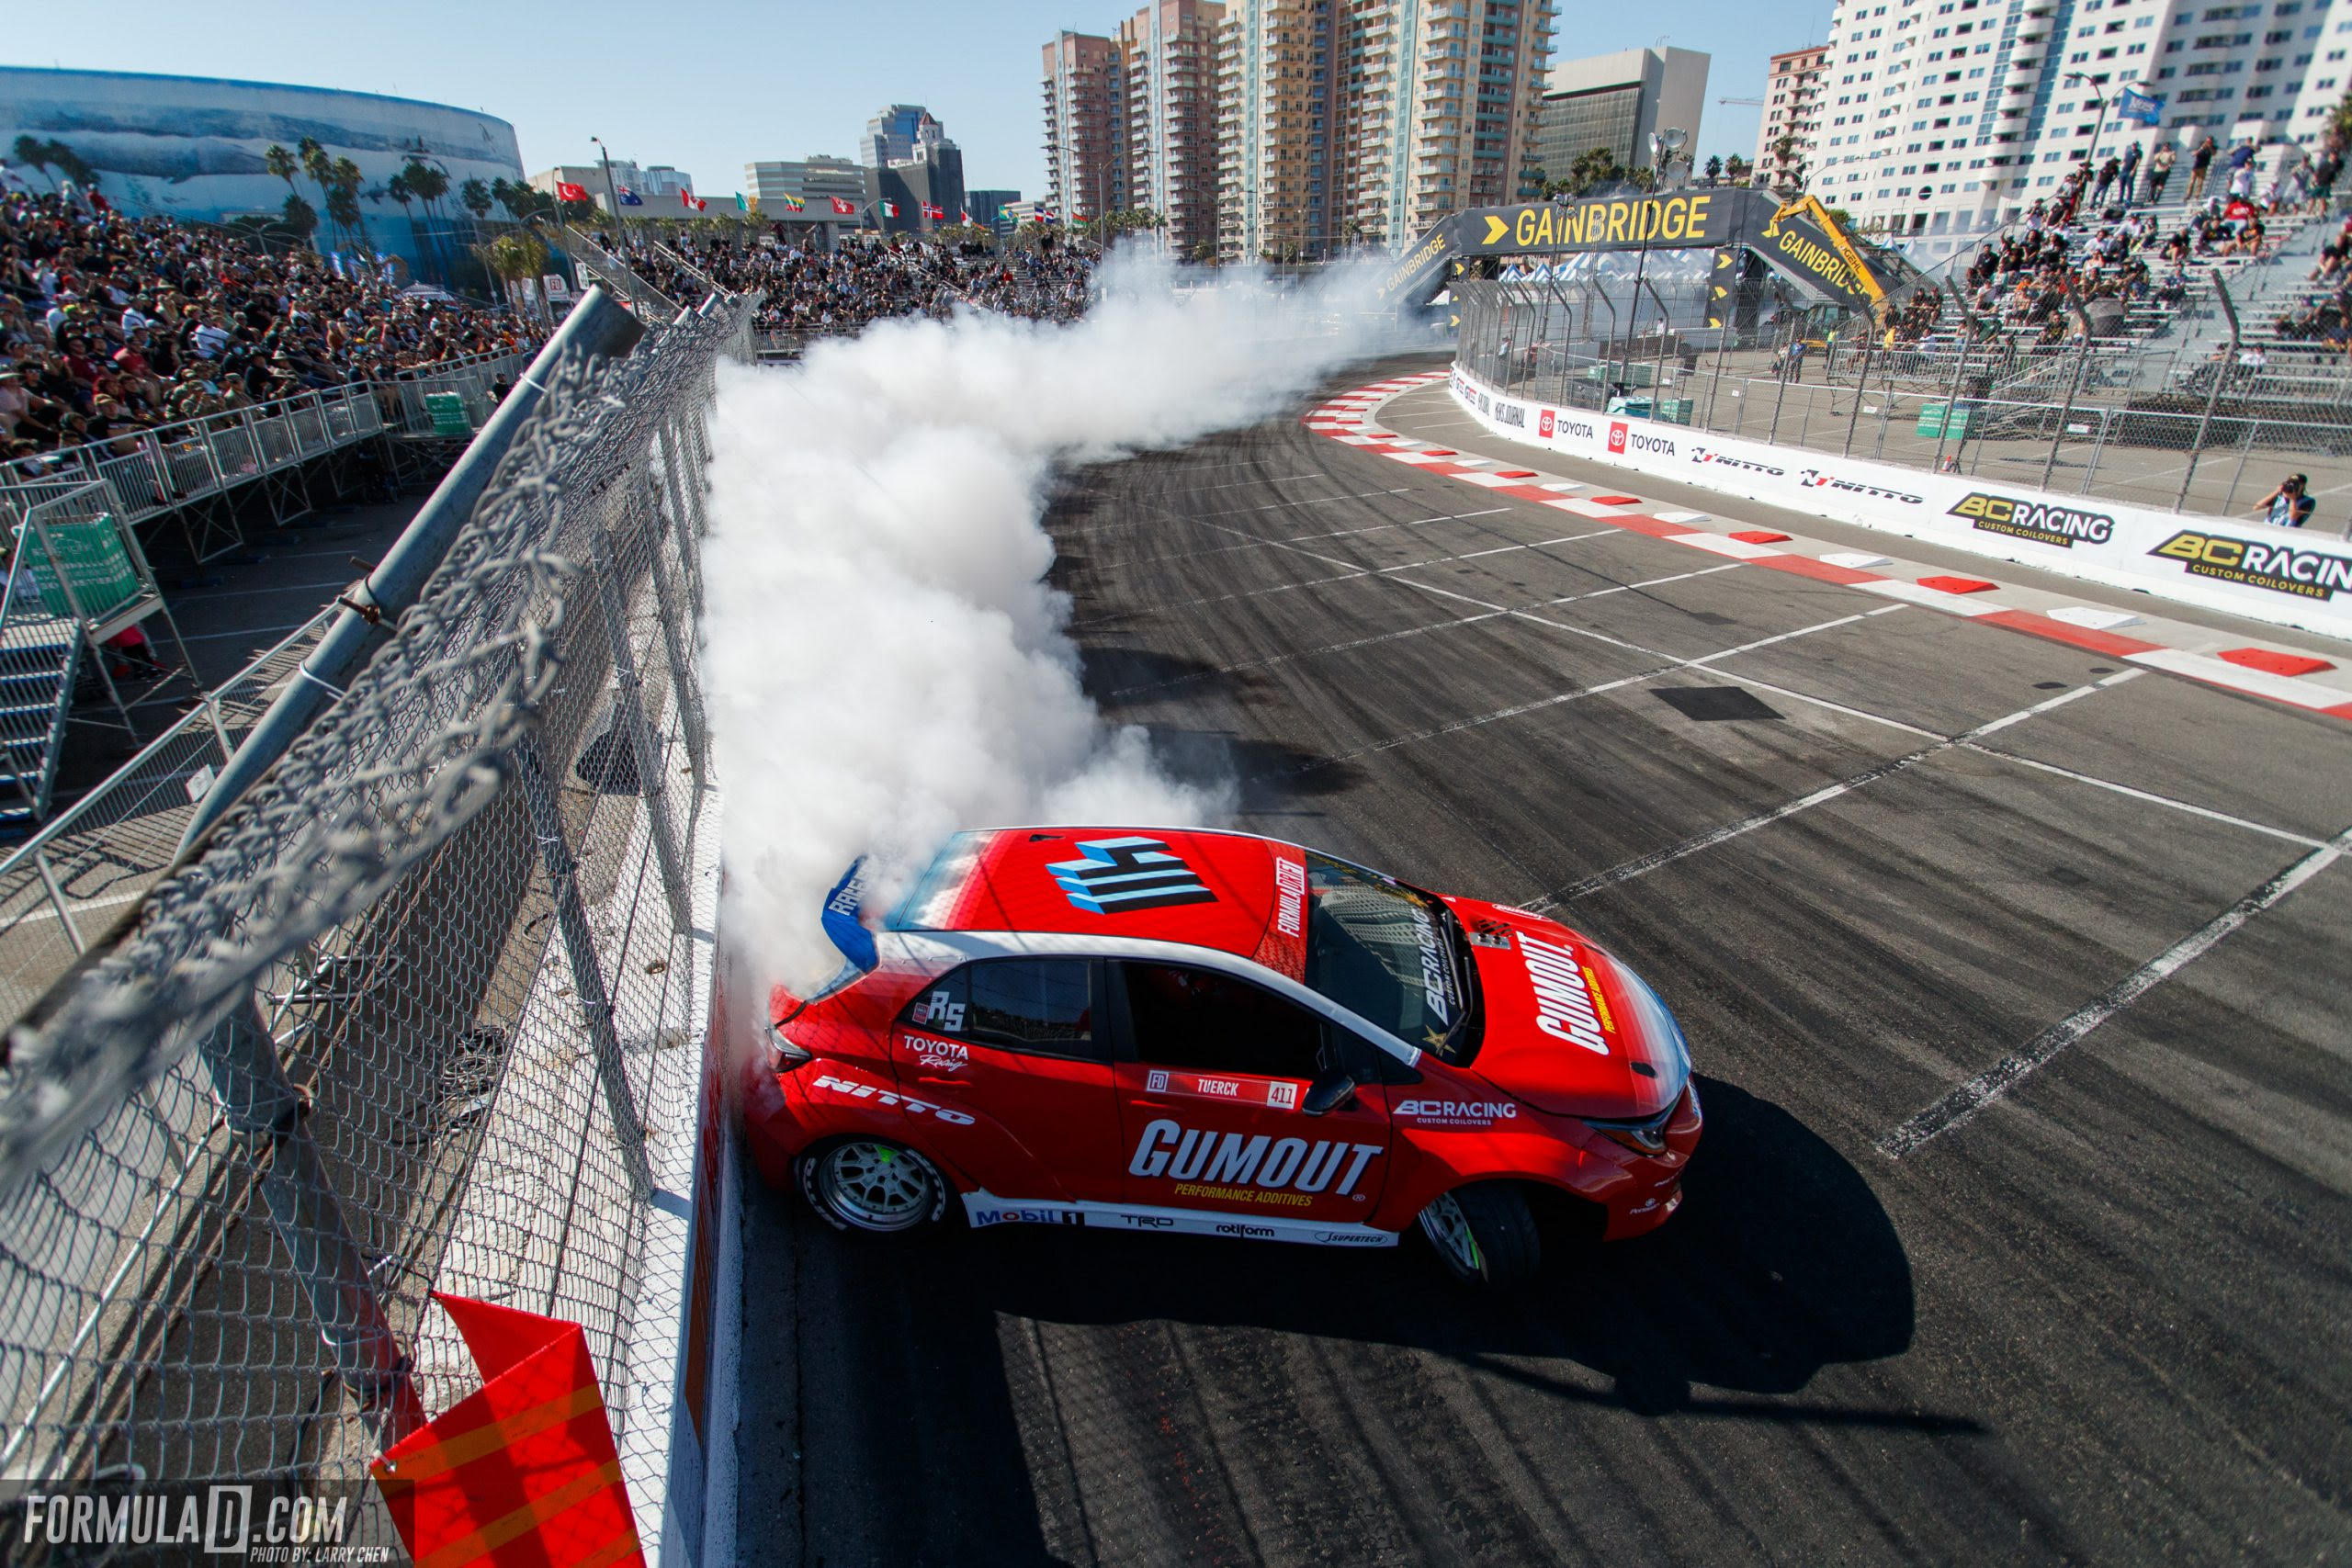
1391 955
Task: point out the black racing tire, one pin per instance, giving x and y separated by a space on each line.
873 1186
1484 1234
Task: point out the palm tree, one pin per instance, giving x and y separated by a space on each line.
475 196
346 176
33 153
279 162
513 257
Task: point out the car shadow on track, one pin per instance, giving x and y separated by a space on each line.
1781 1262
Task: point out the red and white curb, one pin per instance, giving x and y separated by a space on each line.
2278 675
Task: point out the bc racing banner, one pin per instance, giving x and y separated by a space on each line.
2282 575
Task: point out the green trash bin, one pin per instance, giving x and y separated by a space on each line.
90 550
1934 420
448 414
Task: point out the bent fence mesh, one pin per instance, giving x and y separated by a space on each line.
2140 422
398 1029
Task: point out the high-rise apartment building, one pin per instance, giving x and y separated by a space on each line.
1618 101
1168 140
1941 119
1085 115
1296 127
1785 142
1347 122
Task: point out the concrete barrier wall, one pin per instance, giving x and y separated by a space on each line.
2286 576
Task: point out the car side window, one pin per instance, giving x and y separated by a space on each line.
1205 1022
1041 1005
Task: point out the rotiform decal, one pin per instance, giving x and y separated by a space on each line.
1121 875
2283 569
1817 479
2031 520
1566 1001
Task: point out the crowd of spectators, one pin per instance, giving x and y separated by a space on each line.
2323 318
111 324
867 278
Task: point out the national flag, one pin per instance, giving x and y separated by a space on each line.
740 205
936 214
793 203
685 197
889 210
566 191
844 208
966 216
701 205
630 197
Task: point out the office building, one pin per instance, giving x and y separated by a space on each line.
1364 126
986 208
892 134
1617 102
1942 120
1784 142
931 180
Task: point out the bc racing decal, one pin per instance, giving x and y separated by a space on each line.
2032 521
2282 569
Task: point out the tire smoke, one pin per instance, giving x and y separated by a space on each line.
884 661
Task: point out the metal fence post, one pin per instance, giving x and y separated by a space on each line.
2073 387
587 975
267 1111
628 716
1959 371
1862 387
2213 394
676 620
57 901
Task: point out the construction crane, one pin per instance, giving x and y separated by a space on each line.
1756 103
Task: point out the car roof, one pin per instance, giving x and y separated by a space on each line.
1191 887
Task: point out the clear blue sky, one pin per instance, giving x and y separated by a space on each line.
710 84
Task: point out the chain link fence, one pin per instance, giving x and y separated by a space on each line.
2089 417
414 1016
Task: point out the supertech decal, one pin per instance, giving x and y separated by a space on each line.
2033 521
1568 1004
1815 479
1120 875
1242 1168
2298 569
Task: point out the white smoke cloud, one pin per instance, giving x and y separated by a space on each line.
884 661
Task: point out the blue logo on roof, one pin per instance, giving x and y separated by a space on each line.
1119 875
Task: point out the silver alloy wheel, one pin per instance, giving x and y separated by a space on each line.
1448 1229
877 1185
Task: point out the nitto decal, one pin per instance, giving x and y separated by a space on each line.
1119 875
875 1092
1242 1168
2282 569
935 1011
1290 896
1816 479
1708 455
1275 1094
1564 993
2058 525
1457 1113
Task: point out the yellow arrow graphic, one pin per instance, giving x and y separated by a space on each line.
1495 229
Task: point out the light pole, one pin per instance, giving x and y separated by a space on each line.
2091 155
613 194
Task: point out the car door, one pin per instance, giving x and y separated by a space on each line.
1013 1043
1213 1074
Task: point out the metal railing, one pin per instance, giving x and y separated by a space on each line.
2212 441
64 886
412 1017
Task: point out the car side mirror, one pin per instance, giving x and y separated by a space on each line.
1335 1090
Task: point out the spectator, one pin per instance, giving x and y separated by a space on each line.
2159 173
2200 164
2131 172
2289 506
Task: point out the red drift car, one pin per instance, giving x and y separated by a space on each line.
1221 1035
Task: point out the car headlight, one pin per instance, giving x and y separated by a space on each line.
784 1052
1646 1136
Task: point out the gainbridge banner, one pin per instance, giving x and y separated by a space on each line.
523 1473
2286 575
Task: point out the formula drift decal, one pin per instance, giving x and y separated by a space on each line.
1275 1094
1568 1004
1242 1167
1121 875
853 1090
2033 521
2282 569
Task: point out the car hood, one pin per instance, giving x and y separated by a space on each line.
1568 1029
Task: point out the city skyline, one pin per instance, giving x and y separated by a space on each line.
559 85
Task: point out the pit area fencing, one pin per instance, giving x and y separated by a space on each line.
412 1017
2077 418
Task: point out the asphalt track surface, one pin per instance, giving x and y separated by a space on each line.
2103 1317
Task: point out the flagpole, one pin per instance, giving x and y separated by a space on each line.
613 194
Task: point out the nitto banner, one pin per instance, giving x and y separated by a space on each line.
2281 575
